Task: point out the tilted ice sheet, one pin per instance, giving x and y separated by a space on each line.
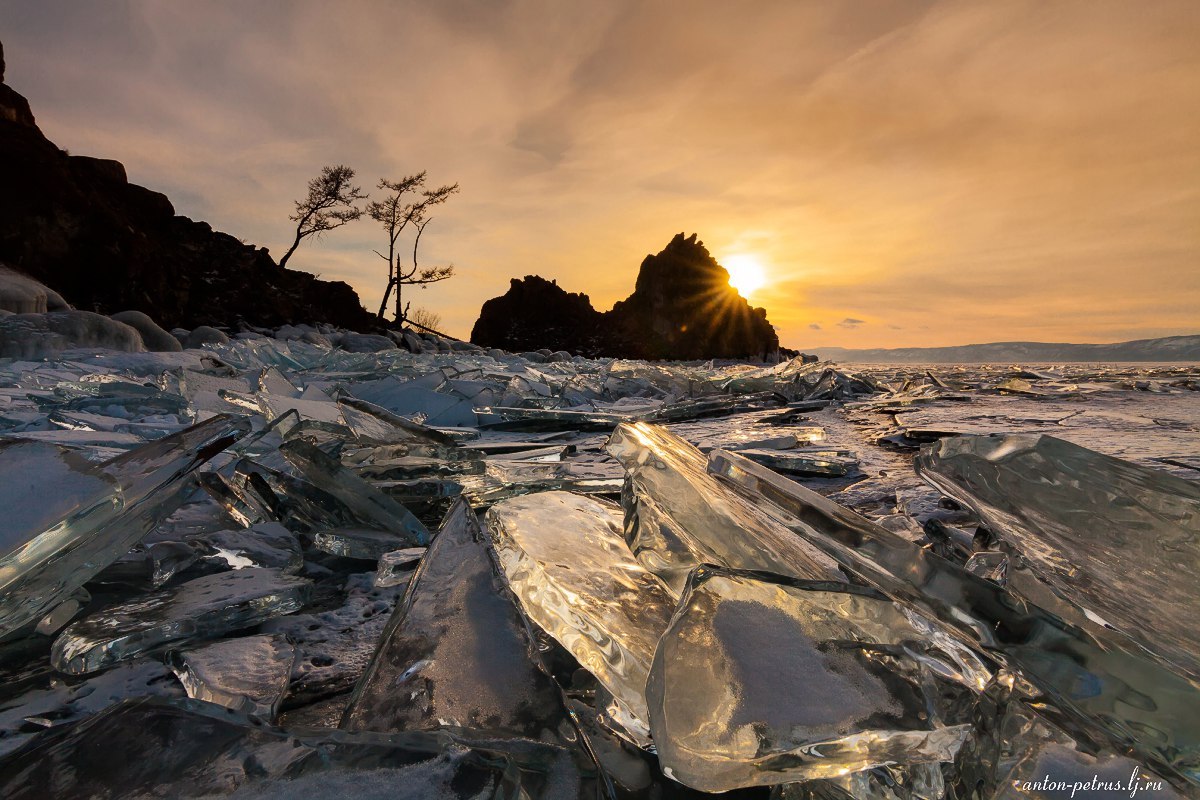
187 748
248 674
52 701
565 559
369 503
456 652
1017 752
202 608
65 521
761 680
1119 540
1089 674
677 516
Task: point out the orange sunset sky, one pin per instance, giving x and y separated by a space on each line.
906 173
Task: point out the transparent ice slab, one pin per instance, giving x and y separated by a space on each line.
65 520
892 782
249 674
149 566
456 651
370 504
484 491
201 608
566 560
375 425
677 516
357 543
187 748
53 702
1091 675
396 566
265 544
831 463
761 679
1115 538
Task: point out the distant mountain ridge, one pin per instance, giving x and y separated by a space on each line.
1169 348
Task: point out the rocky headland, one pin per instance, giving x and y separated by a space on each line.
682 308
107 245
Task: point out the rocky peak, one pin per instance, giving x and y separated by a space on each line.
13 107
682 307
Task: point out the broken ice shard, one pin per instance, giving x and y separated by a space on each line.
357 542
53 702
455 651
376 425
566 560
249 674
1108 688
372 505
831 463
395 566
677 516
201 608
1117 539
763 679
186 748
266 544
65 520
1015 749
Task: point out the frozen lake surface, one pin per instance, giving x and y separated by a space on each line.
482 575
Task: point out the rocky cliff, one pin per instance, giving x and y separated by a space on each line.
682 308
77 224
535 311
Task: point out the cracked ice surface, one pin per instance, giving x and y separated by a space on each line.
1119 540
993 604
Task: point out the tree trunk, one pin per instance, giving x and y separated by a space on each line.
283 261
387 293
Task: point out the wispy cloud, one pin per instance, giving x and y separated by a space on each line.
979 170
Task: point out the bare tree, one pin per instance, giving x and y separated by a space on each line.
330 204
424 318
407 205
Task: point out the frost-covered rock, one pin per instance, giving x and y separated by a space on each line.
365 343
21 294
303 333
154 338
206 335
37 336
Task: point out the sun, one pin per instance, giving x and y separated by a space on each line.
745 273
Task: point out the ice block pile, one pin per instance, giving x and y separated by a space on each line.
267 568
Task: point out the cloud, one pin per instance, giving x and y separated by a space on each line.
851 322
814 326
919 162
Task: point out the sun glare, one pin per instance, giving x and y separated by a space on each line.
745 273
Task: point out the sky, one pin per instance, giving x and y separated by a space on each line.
907 173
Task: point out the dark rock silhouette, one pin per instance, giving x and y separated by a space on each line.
108 245
536 313
682 308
